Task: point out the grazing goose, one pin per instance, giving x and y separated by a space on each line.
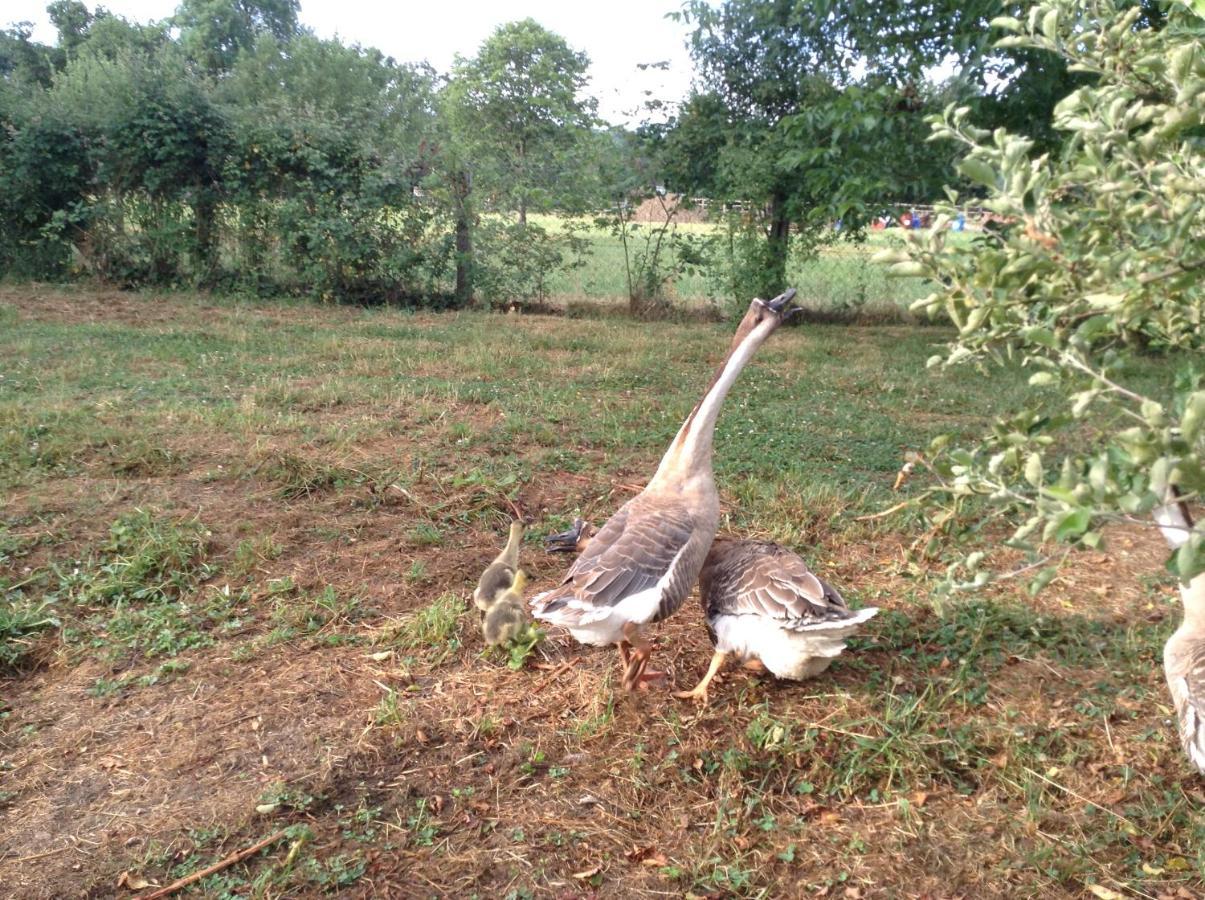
500 575
507 615
1184 652
643 562
763 605
572 541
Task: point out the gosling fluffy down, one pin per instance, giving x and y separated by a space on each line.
500 576
504 621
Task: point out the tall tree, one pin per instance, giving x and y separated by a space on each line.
72 20
516 133
158 144
519 112
25 63
214 32
813 109
780 124
326 169
1103 262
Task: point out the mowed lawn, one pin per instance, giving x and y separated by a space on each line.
236 542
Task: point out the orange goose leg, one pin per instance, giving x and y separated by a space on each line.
635 674
625 653
699 691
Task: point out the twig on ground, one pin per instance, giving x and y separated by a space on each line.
885 512
236 857
25 859
555 673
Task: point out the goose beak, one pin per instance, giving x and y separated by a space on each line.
565 541
780 303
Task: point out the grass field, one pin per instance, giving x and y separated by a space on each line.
841 280
236 541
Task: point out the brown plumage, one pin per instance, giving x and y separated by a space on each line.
760 578
1184 652
643 562
1184 666
763 605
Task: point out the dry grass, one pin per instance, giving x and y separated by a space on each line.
353 473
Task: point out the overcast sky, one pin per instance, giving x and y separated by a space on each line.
616 35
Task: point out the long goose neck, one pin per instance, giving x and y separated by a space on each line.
510 553
1193 596
1176 525
690 452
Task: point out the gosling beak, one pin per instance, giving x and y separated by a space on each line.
565 541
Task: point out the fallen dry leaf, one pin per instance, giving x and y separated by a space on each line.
132 882
919 799
588 873
646 856
1104 893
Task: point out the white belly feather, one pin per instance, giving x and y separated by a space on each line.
604 625
794 654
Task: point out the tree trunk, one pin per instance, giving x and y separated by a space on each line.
205 210
464 240
523 182
774 280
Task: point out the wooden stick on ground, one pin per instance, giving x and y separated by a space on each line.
230 860
885 512
556 673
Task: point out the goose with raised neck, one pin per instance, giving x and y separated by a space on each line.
644 560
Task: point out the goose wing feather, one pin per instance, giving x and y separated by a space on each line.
641 545
1186 679
762 579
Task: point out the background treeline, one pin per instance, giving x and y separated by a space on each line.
229 148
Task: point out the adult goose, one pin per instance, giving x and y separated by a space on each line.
1184 652
763 605
644 560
